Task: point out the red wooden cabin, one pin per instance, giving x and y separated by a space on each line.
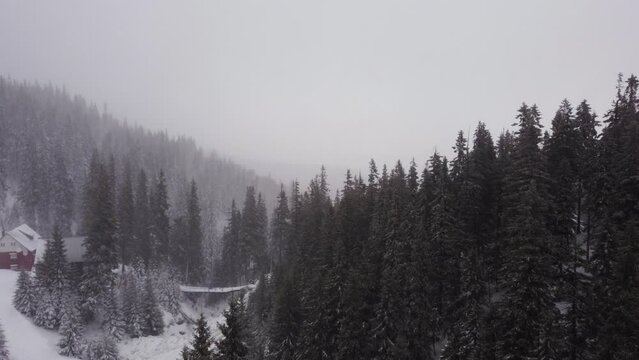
18 248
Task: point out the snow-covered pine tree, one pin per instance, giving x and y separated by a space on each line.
126 218
142 225
51 279
482 200
280 228
201 344
30 192
101 349
355 219
100 227
47 313
112 321
24 299
71 342
168 290
194 261
464 339
527 271
285 324
233 345
4 349
58 266
152 317
562 151
62 193
319 326
259 308
233 250
160 228
250 235
615 252
393 312
131 306
260 248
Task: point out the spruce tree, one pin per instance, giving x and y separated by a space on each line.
62 193
444 241
259 311
465 340
47 314
24 299
112 321
233 345
179 245
168 290
285 324
131 306
51 272
100 228
319 325
194 261
252 237
588 172
233 249
4 349
71 342
202 342
482 202
126 217
280 228
352 224
30 192
562 151
527 272
152 317
101 349
459 165
51 280
261 247
617 220
505 151
144 249
160 228
393 313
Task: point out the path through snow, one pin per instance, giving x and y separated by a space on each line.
29 342
26 341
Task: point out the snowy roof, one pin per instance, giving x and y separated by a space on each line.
74 247
26 236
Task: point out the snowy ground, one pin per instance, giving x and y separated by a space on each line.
28 342
168 346
25 340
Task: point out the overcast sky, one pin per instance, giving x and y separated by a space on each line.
277 84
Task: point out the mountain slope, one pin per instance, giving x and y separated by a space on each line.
44 129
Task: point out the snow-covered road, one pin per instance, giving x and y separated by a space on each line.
29 342
26 341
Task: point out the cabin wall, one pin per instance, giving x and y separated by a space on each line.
15 256
16 260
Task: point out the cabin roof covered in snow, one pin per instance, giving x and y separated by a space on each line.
26 236
73 245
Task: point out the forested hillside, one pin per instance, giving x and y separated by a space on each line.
521 248
47 138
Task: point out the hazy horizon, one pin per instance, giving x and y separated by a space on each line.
283 87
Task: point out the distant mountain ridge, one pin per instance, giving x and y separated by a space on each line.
42 127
